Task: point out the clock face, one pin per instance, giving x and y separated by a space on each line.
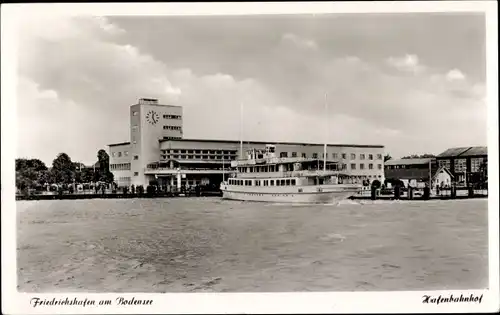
152 117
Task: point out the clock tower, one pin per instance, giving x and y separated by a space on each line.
150 122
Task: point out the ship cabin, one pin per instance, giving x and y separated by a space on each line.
263 168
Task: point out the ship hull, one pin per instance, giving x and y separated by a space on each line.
313 194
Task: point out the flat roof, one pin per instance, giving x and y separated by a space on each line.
157 105
117 144
274 143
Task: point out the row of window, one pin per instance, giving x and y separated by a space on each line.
198 157
120 167
460 165
172 116
172 138
334 155
164 116
362 166
263 182
119 154
124 179
274 168
200 151
172 127
125 153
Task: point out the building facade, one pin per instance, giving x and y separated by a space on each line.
418 170
469 165
158 152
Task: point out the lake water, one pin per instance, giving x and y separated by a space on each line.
211 245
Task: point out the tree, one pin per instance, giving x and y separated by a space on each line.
416 156
30 173
63 170
387 157
104 173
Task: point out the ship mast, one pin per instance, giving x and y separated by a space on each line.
241 131
326 132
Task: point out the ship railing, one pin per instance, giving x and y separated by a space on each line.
274 160
302 173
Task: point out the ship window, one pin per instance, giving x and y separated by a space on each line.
277 182
282 182
287 182
315 155
304 155
272 182
283 154
294 154
293 182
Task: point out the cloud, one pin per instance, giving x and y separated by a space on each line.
78 84
455 74
409 63
299 41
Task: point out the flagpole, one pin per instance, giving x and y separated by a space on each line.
326 132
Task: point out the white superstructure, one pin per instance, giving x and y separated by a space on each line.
264 177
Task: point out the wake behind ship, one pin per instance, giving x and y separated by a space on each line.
264 177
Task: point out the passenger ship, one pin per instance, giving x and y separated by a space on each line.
264 177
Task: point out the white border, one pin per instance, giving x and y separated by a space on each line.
338 302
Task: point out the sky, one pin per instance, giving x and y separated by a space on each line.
414 83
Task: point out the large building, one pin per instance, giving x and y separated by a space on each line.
157 151
460 166
469 165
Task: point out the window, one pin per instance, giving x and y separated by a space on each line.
304 155
379 166
334 155
136 173
135 113
119 154
370 156
294 154
475 164
445 163
272 182
113 154
283 154
370 166
136 157
315 155
287 182
344 156
353 166
460 165
293 182
379 156
353 156
361 166
361 156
